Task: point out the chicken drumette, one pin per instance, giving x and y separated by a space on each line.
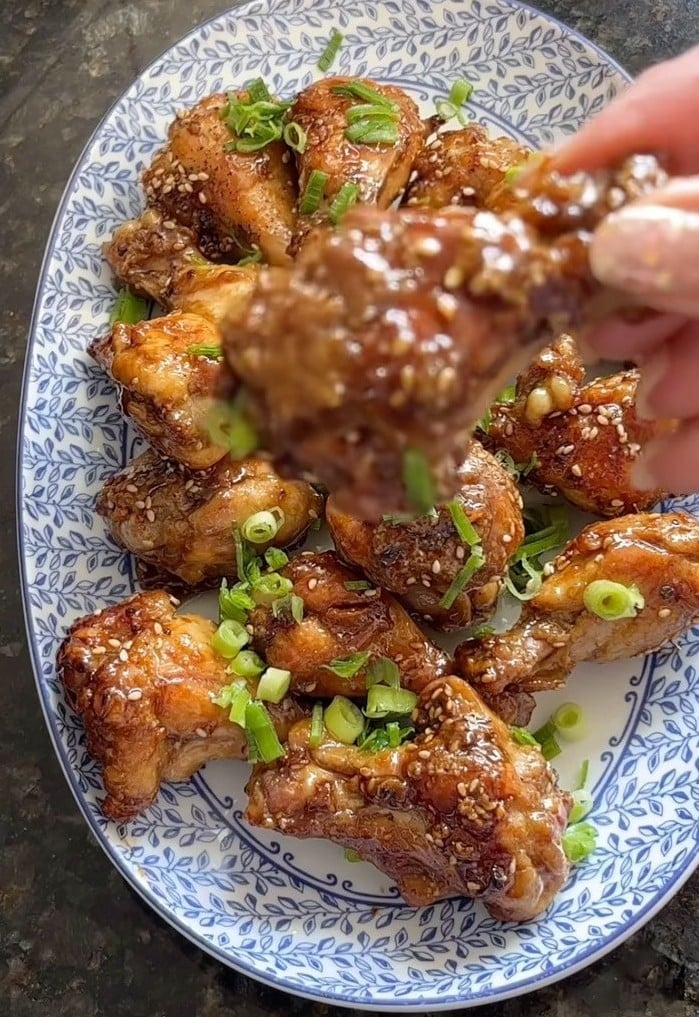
143 681
181 521
462 809
395 332
420 560
340 620
658 554
581 438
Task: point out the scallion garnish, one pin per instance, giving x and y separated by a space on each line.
202 350
349 666
247 664
313 193
342 202
383 671
129 309
417 480
234 698
258 91
241 556
579 841
229 638
584 773
523 737
370 131
229 427
254 258
352 856
463 525
357 584
364 93
262 527
459 94
523 580
270 587
276 558
475 562
290 605
328 55
582 805
233 602
481 632
256 121
295 137
273 684
388 736
613 601
569 721
317 726
344 720
263 744
382 701
546 737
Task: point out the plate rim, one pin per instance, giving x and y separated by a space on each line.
593 954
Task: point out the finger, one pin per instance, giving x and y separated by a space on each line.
670 463
654 114
668 385
632 337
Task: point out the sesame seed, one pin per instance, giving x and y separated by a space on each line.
203 198
509 428
453 278
616 503
148 502
411 581
150 515
201 732
507 538
664 612
427 246
312 583
584 408
436 566
123 656
594 431
132 489
447 307
601 419
423 754
564 450
427 583
134 694
576 470
158 629
139 504
460 552
114 643
99 650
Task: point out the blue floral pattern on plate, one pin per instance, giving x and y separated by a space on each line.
293 914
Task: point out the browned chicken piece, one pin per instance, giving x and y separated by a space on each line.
166 387
380 171
159 259
462 167
659 554
396 331
420 560
182 521
142 680
584 437
461 810
233 202
340 620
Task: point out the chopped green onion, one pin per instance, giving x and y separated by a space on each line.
463 525
613 601
263 743
295 137
579 841
550 749
460 92
297 608
508 394
373 132
348 667
546 737
584 773
344 720
482 632
274 684
382 701
551 535
229 427
357 584
343 200
229 638
270 587
383 671
328 55
463 576
365 93
255 122
290 605
546 731
313 193
418 481
276 558
254 258
582 805
234 698
523 737
247 664
371 111
317 726
129 309
388 737
570 722
261 527
352 856
202 350
265 134
241 555
523 580
233 603
258 91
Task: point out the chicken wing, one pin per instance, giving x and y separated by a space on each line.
233 202
340 620
419 560
462 809
659 554
158 259
182 521
142 679
395 331
166 387
462 168
584 437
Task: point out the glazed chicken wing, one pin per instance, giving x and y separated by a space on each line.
420 560
462 168
181 521
462 809
340 620
167 388
395 331
234 202
659 554
584 437
142 679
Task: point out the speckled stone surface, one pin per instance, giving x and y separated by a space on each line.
74 940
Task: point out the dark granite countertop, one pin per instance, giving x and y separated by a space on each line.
74 940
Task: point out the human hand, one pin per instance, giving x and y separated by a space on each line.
650 250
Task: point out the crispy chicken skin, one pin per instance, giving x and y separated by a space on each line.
233 202
182 521
142 679
462 168
159 259
462 809
399 328
659 553
585 436
338 622
418 561
167 391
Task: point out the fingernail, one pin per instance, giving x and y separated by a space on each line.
653 370
650 250
642 473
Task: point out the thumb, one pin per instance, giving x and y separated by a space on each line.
651 248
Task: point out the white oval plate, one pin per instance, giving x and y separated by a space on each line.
294 914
